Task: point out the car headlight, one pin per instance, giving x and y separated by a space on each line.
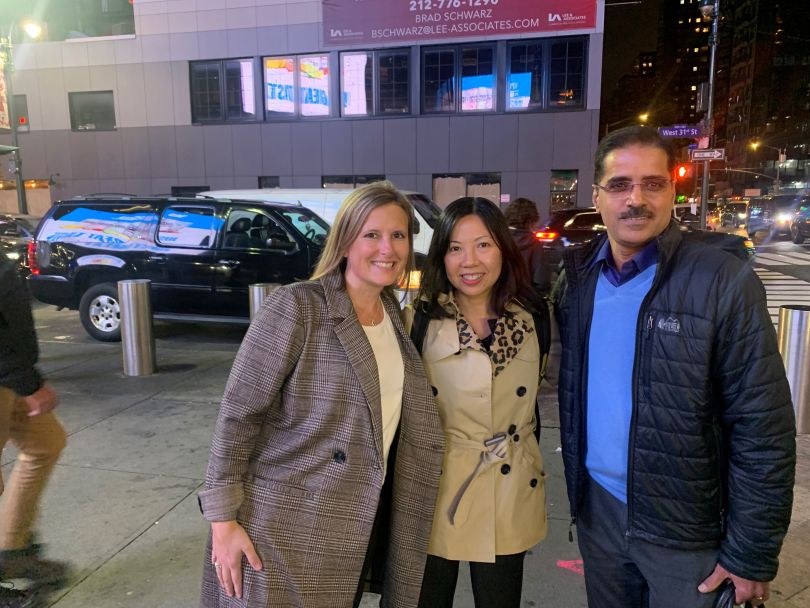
741 216
12 255
783 217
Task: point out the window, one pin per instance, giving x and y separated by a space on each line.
466 73
349 181
374 82
253 229
223 91
394 82
92 111
567 73
269 181
563 190
188 226
546 74
77 20
189 190
297 86
311 227
525 88
449 187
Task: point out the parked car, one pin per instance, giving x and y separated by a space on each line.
200 255
565 228
575 227
773 213
15 235
800 224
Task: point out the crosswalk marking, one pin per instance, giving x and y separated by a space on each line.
781 289
782 259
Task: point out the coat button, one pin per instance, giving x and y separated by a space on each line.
515 437
505 469
533 483
512 429
340 456
521 390
434 390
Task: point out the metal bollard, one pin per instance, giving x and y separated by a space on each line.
258 293
137 337
794 346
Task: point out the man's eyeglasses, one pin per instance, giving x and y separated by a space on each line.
648 186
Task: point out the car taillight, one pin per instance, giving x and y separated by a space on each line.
31 258
545 236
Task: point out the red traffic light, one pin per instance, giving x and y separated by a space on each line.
681 171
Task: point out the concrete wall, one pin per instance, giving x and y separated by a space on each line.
156 147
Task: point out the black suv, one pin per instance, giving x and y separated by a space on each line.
200 255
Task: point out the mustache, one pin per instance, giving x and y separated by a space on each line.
633 212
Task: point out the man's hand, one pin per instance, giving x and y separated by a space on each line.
746 591
229 543
42 401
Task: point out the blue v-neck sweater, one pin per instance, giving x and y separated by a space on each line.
611 354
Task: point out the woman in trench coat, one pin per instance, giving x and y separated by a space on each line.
483 359
323 382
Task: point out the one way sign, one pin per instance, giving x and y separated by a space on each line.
709 154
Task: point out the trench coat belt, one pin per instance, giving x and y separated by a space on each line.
492 450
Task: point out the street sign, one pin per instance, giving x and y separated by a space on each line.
708 154
680 131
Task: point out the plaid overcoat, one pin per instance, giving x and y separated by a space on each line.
297 459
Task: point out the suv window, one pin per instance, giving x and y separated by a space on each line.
311 227
120 227
252 229
187 226
592 221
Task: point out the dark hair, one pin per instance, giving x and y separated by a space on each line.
513 284
521 213
626 137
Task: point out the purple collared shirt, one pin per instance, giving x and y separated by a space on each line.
638 263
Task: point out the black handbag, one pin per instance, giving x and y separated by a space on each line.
726 597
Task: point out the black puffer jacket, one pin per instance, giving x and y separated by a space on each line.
712 438
18 341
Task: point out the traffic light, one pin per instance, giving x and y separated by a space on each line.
683 171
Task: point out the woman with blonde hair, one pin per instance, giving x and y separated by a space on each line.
325 389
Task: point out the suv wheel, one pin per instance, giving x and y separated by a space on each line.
100 312
795 235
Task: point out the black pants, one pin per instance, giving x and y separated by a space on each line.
632 573
497 585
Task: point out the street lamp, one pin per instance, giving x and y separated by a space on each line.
641 118
710 9
782 156
33 29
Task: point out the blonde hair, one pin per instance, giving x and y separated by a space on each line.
350 219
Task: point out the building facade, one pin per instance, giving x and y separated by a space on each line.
257 93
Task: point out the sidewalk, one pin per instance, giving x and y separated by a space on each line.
122 507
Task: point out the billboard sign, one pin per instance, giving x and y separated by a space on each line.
347 22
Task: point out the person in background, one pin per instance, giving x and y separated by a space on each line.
480 320
28 421
678 432
326 401
522 217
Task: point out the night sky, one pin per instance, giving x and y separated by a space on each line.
629 30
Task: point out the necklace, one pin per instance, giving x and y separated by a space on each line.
382 316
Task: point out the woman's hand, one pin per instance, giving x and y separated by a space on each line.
229 543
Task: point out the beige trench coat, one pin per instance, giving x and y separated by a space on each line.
491 498
297 455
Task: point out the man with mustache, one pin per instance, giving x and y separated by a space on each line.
678 432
